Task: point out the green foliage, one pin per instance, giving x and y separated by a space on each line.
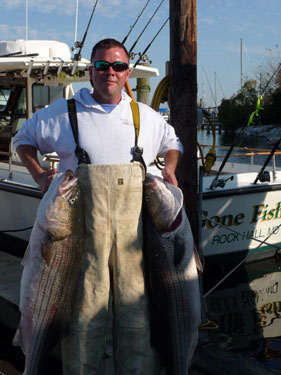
235 112
272 108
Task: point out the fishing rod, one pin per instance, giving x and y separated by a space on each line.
149 45
138 38
261 175
80 45
131 28
254 114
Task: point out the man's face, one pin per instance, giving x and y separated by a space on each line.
108 84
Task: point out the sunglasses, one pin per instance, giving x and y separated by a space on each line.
117 66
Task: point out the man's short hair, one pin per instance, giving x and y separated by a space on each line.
107 44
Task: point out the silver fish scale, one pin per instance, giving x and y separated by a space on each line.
48 287
171 305
49 317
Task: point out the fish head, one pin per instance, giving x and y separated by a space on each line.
163 201
60 212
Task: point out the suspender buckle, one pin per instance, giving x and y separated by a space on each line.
138 151
82 155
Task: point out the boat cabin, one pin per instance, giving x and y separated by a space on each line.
33 74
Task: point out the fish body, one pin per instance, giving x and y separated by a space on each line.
171 265
51 272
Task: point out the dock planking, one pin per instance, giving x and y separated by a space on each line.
213 358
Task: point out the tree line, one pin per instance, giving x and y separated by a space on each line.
235 112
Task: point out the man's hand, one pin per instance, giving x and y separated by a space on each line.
171 161
169 176
45 178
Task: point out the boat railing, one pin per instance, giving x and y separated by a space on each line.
248 151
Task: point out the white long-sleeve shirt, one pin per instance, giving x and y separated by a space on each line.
108 138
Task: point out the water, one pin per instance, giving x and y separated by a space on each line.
226 139
247 310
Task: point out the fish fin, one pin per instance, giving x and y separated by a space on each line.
17 340
26 255
198 260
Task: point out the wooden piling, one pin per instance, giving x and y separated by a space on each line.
183 98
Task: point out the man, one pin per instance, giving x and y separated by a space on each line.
112 193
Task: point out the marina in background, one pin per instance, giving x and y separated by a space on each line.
229 310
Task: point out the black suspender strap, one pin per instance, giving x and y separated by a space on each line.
137 151
83 157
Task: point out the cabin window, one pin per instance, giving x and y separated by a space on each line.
45 95
20 107
4 97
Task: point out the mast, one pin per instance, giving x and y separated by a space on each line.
26 19
183 98
203 89
241 61
76 21
216 101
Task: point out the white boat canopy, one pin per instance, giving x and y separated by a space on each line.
24 56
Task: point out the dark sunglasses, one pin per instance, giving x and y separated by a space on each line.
117 66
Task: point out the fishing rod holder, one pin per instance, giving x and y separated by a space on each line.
220 182
264 176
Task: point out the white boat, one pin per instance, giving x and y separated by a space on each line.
32 75
241 218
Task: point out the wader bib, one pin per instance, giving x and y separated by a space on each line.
112 197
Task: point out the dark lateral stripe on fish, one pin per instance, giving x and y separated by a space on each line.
169 287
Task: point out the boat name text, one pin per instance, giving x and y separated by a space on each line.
260 213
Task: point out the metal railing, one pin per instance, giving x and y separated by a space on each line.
250 152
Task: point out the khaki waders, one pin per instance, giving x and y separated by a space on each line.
113 251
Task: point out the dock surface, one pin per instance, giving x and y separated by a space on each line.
210 357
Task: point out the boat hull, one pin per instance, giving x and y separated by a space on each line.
243 221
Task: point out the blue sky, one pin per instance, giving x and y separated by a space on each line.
220 26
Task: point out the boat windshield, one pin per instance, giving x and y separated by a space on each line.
45 95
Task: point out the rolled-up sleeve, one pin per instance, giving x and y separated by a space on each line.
27 134
170 141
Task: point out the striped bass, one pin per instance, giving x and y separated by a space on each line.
171 265
51 272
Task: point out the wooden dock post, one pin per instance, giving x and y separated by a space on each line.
183 98
143 87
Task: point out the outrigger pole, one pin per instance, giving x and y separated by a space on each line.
138 38
149 45
80 45
131 28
